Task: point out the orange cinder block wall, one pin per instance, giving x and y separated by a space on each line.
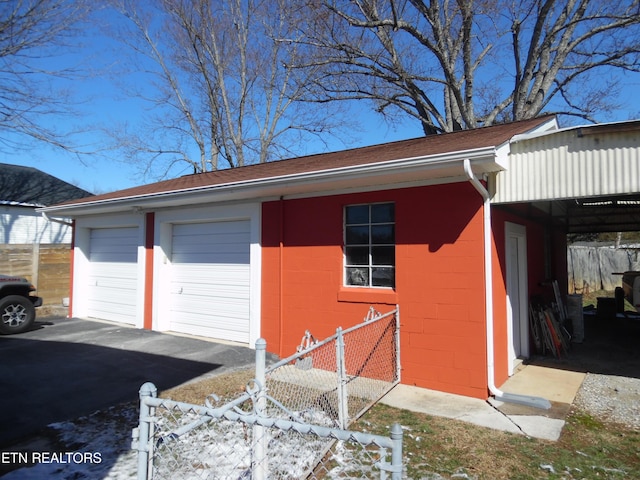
439 280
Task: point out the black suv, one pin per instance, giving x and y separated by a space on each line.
17 304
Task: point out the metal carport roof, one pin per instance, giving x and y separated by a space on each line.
587 178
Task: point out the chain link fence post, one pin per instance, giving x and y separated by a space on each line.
396 452
343 413
145 432
260 440
397 344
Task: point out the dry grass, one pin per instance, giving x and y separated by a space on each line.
226 386
591 299
438 448
587 449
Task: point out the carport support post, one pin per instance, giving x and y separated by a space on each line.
144 431
260 440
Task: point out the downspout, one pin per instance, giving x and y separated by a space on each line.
531 401
281 279
72 269
149 238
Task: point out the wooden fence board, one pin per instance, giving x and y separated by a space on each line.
47 266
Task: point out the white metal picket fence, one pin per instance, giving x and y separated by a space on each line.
292 420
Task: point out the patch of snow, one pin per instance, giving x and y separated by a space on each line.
99 446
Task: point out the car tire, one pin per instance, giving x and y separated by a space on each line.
17 314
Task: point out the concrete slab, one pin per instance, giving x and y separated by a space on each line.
457 407
558 386
539 427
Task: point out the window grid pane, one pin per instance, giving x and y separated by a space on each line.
369 245
383 213
357 255
358 235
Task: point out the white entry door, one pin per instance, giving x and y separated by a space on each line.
210 279
517 293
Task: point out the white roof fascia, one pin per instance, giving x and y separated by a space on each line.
483 160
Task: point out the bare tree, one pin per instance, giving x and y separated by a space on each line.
33 33
455 64
224 92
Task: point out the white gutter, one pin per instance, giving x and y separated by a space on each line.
56 220
404 169
532 401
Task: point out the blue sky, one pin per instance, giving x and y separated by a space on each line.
102 173
105 104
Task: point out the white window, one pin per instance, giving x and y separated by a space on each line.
369 245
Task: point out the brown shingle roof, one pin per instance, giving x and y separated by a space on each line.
417 147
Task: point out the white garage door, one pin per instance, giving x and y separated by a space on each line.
112 289
210 275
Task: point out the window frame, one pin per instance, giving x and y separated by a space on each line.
370 245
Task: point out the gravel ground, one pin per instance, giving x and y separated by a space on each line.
612 398
611 358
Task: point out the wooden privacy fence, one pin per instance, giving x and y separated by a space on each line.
47 266
592 268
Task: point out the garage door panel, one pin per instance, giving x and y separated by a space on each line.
206 327
108 309
111 245
228 256
213 240
126 254
213 308
220 293
114 270
211 228
202 274
210 280
112 279
211 325
111 292
190 245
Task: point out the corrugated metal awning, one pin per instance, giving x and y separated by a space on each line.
572 163
586 177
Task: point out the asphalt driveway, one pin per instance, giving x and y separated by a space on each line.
67 367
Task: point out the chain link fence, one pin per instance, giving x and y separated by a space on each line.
340 377
291 421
